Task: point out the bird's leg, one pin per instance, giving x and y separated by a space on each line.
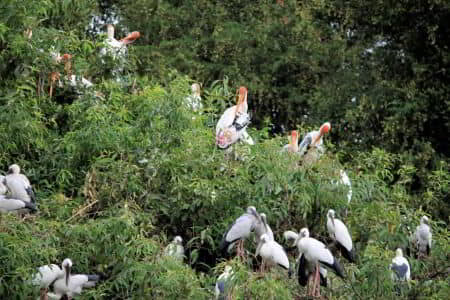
44 295
261 269
309 285
316 289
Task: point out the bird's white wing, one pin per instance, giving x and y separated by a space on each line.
342 235
241 228
226 119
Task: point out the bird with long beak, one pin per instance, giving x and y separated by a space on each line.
46 276
292 147
72 285
117 49
339 232
314 139
423 238
232 125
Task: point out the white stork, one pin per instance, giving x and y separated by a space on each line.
194 101
175 249
316 253
423 237
400 267
241 229
292 147
72 285
315 139
45 277
223 283
339 232
272 253
18 185
232 125
118 49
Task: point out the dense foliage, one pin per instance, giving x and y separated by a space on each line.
118 172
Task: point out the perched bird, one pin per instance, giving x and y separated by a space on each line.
264 229
18 185
346 181
240 230
314 139
223 284
272 253
304 268
175 248
316 253
292 147
45 277
117 49
423 237
400 267
15 205
339 232
194 101
72 285
232 125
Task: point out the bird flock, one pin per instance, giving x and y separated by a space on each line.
314 257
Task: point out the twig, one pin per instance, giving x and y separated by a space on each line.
81 210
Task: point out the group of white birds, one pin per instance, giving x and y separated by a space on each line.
63 283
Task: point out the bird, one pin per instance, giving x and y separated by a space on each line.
423 237
232 125
117 49
400 267
339 232
194 101
241 229
3 188
72 285
15 205
304 268
18 185
45 277
272 253
175 249
314 139
346 181
223 283
264 229
316 253
292 147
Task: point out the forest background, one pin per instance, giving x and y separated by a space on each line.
377 70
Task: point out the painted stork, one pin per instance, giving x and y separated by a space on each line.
314 139
223 284
339 232
118 49
423 237
72 285
175 249
292 147
18 185
316 253
400 267
240 230
194 101
232 125
46 276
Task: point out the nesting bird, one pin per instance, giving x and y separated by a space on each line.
72 285
175 249
46 276
194 101
241 229
18 185
314 139
400 267
339 232
422 238
232 125
222 287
